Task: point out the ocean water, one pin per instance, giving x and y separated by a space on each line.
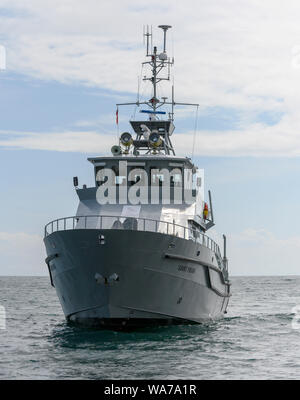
258 339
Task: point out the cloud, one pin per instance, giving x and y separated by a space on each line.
260 252
71 141
233 57
257 140
22 254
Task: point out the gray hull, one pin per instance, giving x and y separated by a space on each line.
145 278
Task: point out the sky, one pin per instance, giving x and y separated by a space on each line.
69 62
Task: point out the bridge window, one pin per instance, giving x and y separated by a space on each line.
173 177
137 175
176 179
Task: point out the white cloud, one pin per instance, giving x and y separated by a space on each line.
233 55
22 254
260 252
243 55
71 141
256 140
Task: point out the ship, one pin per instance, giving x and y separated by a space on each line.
137 252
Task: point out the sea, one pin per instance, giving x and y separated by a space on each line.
259 338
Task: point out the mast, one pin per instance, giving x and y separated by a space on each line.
160 65
157 63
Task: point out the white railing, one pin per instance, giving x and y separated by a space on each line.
138 224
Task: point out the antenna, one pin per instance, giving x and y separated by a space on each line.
165 28
147 34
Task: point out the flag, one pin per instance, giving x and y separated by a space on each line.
117 116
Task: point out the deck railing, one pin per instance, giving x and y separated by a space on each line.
129 223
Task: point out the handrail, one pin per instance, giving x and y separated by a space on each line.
81 222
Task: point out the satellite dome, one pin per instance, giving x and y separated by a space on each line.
163 56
